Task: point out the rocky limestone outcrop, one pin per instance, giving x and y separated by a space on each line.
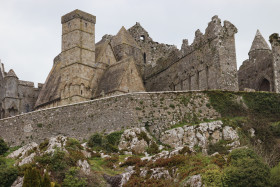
136 140
194 181
200 135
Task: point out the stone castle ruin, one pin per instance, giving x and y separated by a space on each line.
131 61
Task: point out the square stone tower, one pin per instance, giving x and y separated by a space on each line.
77 56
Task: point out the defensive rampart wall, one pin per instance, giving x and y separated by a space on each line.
155 110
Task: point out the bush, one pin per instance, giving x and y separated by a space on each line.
218 160
32 177
238 154
8 174
114 137
275 127
3 147
246 169
73 144
95 140
131 161
55 162
46 182
275 176
212 178
220 147
72 179
153 148
170 162
108 143
44 145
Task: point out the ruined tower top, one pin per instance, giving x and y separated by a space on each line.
78 14
11 73
259 43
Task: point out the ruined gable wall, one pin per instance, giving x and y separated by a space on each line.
151 50
254 70
209 63
81 120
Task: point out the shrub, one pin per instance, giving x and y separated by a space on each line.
72 179
220 147
212 178
46 182
108 143
55 162
131 161
114 137
238 154
153 148
3 147
110 161
73 143
44 145
170 162
275 127
95 140
143 136
32 177
246 169
218 160
8 174
275 176
185 150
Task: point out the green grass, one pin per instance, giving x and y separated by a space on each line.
98 165
11 149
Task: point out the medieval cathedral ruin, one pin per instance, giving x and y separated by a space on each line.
131 61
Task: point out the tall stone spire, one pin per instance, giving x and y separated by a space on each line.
259 43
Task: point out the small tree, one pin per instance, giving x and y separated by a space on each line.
46 182
3 147
32 177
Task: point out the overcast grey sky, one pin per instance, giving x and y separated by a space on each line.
30 30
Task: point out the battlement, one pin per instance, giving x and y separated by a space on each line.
78 14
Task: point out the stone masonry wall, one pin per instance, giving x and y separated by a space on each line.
157 111
275 43
208 63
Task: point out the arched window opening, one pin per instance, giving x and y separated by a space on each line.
142 37
265 85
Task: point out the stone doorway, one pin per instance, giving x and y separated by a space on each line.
265 85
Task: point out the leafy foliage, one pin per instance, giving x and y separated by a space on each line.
108 143
225 103
72 179
8 174
212 177
3 147
275 176
32 177
153 148
246 169
220 147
